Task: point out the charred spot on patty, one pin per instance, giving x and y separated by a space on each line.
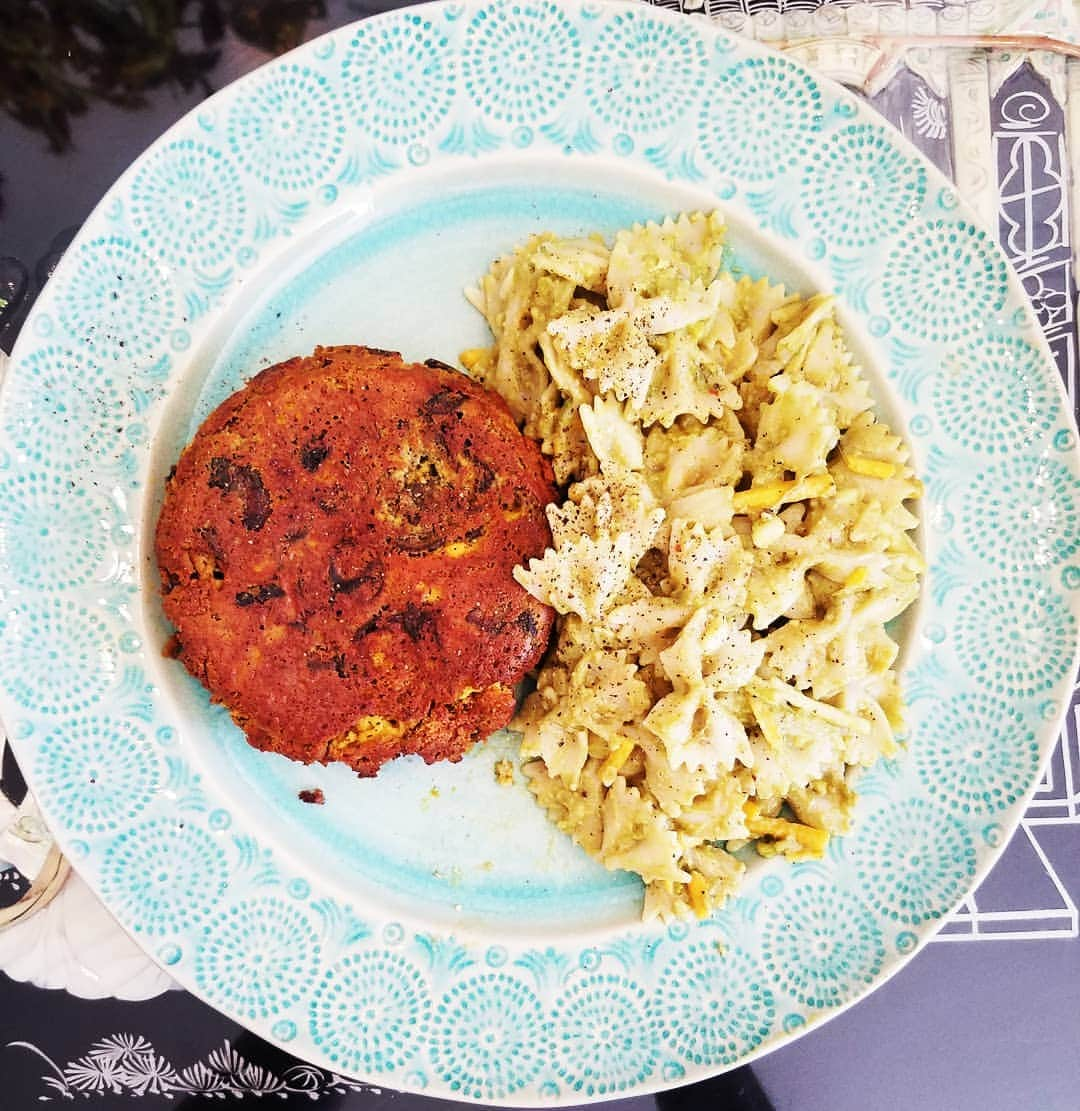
259 595
485 476
419 543
443 401
367 628
209 535
220 474
527 623
313 454
416 621
335 554
322 660
256 502
495 622
227 476
490 624
349 573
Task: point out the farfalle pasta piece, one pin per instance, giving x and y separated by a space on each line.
608 348
598 696
698 730
757 304
825 804
672 787
584 576
804 738
576 811
607 506
556 424
799 330
775 587
615 439
690 455
652 259
649 624
713 648
581 261
684 385
712 507
697 304
796 431
600 535
714 877
574 391
879 740
708 564
711 657
813 654
518 299
576 638
552 730
874 460
638 836
828 365
715 814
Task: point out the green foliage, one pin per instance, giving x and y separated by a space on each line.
58 56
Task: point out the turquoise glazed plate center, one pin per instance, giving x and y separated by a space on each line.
429 929
448 837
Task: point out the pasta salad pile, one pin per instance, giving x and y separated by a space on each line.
735 539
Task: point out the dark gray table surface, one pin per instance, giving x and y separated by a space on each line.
992 1025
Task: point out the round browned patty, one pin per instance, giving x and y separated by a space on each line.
335 550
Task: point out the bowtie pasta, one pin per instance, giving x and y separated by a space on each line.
734 541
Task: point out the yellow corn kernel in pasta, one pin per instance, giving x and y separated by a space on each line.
473 357
817 486
770 494
856 578
880 658
764 496
696 892
813 841
870 468
611 767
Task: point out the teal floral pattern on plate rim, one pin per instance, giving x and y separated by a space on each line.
641 1007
